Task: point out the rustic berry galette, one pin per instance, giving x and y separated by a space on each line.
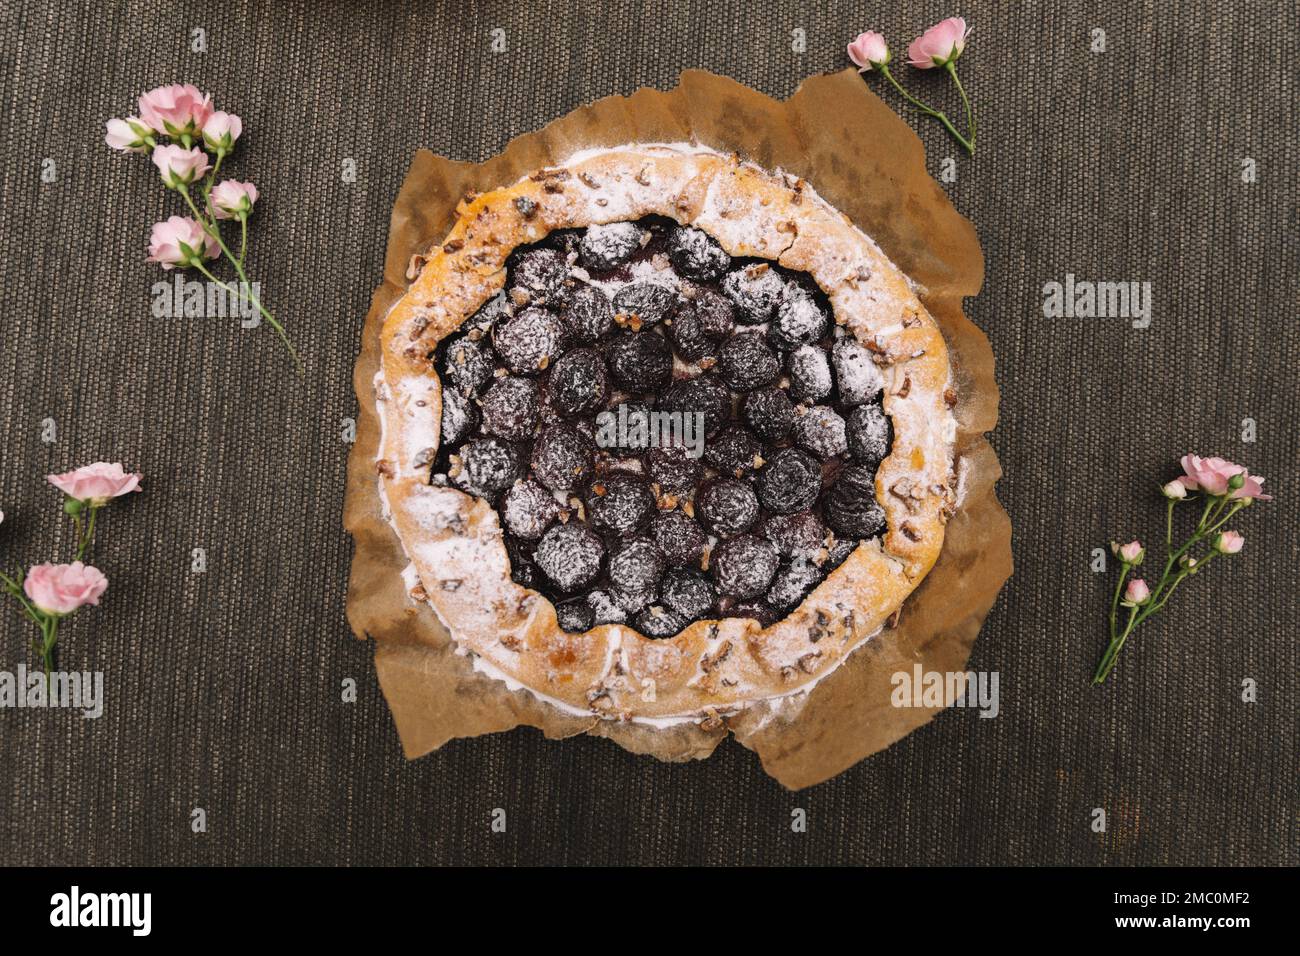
664 434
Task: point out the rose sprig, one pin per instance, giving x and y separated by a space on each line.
48 593
184 115
1225 489
937 48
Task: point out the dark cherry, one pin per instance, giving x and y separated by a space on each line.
589 315
634 572
696 255
578 384
673 469
727 507
810 375
734 452
523 569
605 607
820 430
688 592
746 363
460 418
702 395
468 365
713 310
799 535
857 379
530 342
756 290
620 504
689 340
790 482
799 320
528 509
657 622
488 466
606 247
850 506
743 566
643 304
679 537
792 583
510 409
640 361
562 458
575 616
543 274
570 556
867 430
769 413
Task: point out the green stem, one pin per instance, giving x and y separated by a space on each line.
1114 601
83 541
1112 652
50 633
246 290
970 115
928 111
243 237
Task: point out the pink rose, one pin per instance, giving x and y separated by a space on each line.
232 199
1214 476
939 45
1229 542
177 110
98 483
1130 553
1137 592
180 241
1174 490
869 50
130 135
60 589
221 130
180 166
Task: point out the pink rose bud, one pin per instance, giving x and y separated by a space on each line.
1174 490
868 50
130 135
180 166
180 241
939 45
1216 476
97 484
1229 542
232 199
1137 592
177 110
221 130
1131 553
60 589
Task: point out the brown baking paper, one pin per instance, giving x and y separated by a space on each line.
868 163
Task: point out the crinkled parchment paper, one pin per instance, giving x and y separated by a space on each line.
868 163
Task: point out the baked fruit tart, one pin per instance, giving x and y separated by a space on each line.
664 434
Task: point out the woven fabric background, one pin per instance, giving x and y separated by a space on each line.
224 687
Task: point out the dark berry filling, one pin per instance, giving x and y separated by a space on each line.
553 400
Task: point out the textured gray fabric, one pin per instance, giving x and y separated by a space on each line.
224 687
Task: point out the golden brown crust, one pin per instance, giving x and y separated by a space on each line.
454 540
